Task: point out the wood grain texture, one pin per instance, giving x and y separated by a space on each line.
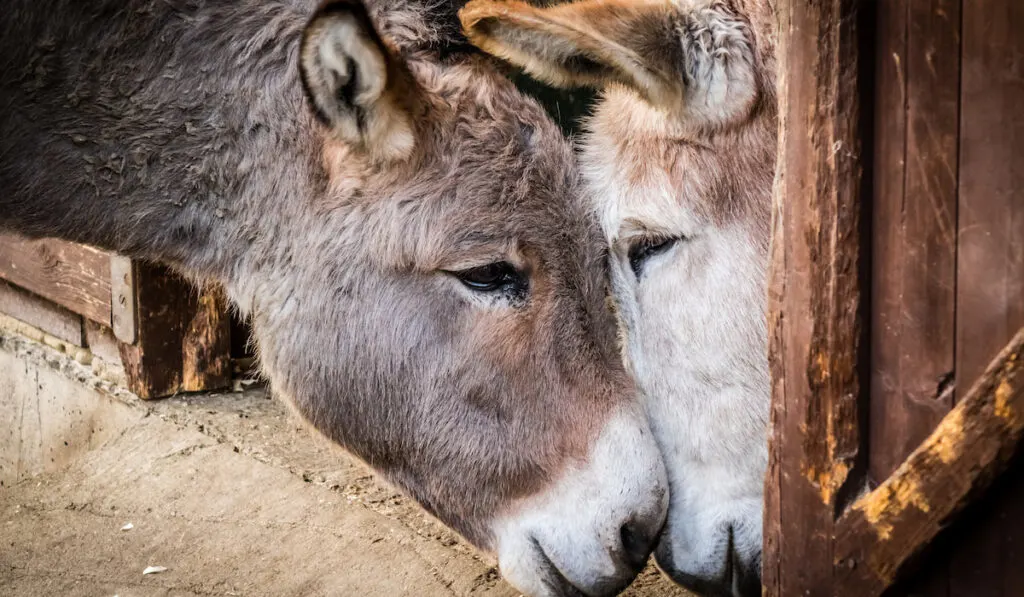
206 347
946 294
183 336
41 313
989 561
914 225
972 444
76 277
815 293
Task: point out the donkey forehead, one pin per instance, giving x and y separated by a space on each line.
644 170
642 181
503 160
495 178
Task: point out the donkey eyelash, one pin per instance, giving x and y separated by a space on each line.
645 248
492 277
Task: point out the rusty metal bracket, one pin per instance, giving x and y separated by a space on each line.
123 311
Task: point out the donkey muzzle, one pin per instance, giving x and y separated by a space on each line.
591 531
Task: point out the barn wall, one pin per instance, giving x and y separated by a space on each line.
897 277
963 265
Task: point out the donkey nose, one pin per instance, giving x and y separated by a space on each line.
638 538
590 531
737 576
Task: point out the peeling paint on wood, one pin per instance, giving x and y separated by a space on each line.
893 497
1003 406
949 435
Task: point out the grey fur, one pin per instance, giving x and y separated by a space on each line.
177 130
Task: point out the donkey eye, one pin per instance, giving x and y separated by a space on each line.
491 277
647 248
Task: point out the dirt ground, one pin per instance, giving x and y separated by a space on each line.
232 496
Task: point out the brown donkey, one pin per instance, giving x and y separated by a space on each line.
426 284
679 158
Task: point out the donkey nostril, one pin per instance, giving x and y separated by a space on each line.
636 544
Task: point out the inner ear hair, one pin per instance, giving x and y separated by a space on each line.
699 62
353 82
563 45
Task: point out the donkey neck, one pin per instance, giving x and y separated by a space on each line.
172 133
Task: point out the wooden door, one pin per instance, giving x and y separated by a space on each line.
897 300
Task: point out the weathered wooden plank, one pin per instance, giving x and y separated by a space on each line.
40 313
914 227
102 342
74 276
888 416
815 295
972 444
990 285
183 337
915 210
206 347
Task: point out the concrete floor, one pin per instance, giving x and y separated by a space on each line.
228 492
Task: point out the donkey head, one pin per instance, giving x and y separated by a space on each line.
679 159
454 285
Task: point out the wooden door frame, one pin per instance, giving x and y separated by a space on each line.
827 532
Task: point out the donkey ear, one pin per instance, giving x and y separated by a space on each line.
355 85
698 62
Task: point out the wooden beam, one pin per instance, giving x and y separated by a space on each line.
76 277
972 444
815 294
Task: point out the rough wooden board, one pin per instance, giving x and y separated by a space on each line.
815 293
102 343
990 285
972 444
183 340
74 276
206 347
37 312
914 225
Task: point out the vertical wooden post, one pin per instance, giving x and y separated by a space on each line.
815 294
183 336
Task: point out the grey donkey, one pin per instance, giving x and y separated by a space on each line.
427 286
